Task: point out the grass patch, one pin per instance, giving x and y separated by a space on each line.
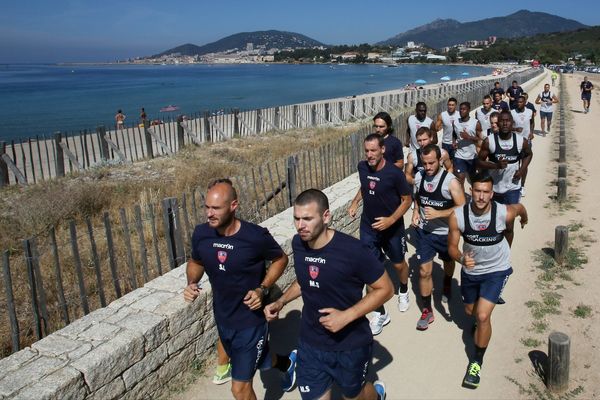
530 342
540 310
534 391
582 311
575 258
574 227
540 326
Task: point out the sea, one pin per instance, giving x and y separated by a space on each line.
43 99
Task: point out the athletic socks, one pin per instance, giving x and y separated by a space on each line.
479 352
222 369
426 302
381 310
282 363
403 287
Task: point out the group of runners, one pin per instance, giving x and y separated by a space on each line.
468 188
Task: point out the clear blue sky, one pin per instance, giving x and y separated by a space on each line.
106 30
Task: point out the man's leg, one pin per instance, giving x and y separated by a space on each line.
426 284
242 390
449 266
543 122
223 372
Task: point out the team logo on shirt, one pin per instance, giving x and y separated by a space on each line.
429 186
222 257
481 227
313 271
372 185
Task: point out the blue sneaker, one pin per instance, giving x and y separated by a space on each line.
289 380
380 389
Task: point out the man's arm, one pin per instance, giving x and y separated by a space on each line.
381 291
382 223
514 210
439 122
527 155
272 310
458 196
434 135
193 271
538 99
254 298
453 240
484 153
446 161
408 169
354 205
554 99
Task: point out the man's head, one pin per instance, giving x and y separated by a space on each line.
221 203
452 102
487 102
497 85
421 110
374 149
311 214
514 84
584 79
547 87
430 157
424 136
464 109
521 101
494 121
526 95
382 122
505 121
481 191
497 97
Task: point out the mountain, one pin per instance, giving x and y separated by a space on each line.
270 39
448 32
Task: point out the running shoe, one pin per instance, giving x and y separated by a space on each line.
500 300
289 379
472 378
403 302
378 322
380 389
225 377
426 319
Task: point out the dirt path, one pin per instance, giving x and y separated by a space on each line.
431 364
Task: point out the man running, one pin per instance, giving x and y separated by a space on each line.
554 76
332 268
547 100
483 114
416 121
530 105
586 88
469 133
499 104
497 89
522 123
513 93
386 198
485 261
437 192
414 162
233 253
445 121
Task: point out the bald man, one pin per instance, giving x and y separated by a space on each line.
233 253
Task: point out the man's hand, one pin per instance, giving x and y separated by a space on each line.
382 223
272 310
415 219
430 213
518 174
333 320
465 135
502 163
519 130
352 209
190 292
253 299
468 261
523 222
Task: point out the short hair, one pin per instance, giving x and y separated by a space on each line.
226 181
515 82
375 136
487 97
432 148
388 120
495 114
419 104
452 99
496 83
313 196
525 94
465 103
481 177
521 97
423 130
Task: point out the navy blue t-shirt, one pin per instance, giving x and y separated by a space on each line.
393 149
381 191
334 277
496 90
500 106
514 93
234 264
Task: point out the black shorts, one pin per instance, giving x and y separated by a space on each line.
248 350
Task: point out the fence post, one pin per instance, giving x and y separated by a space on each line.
291 179
562 170
60 157
258 121
559 353
10 303
277 119
561 243
3 166
295 116
313 115
236 122
148 140
33 289
562 190
180 133
101 131
173 232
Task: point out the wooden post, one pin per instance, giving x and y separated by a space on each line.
258 121
562 189
313 115
127 237
562 153
3 167
559 353
101 132
139 227
58 278
10 303
562 170
111 254
78 268
561 243
277 119
96 261
33 289
236 122
180 133
173 232
147 140
60 157
154 237
291 180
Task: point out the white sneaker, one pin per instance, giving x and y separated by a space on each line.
403 302
522 192
378 322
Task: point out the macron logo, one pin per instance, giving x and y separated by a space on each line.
315 260
223 246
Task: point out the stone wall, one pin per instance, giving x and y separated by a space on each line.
138 344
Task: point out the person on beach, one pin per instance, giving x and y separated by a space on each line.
546 100
499 104
513 93
120 120
386 197
497 89
522 123
233 253
332 268
469 137
483 114
445 121
485 260
414 163
586 88
143 117
436 193
416 121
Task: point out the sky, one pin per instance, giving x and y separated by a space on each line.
34 31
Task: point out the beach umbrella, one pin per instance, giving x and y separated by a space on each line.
465 74
420 82
445 78
169 108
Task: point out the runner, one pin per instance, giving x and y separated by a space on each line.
437 192
497 89
233 254
386 198
499 104
522 121
546 99
554 76
494 126
530 106
414 163
483 114
416 121
332 268
469 134
513 93
445 121
485 259
382 122
586 88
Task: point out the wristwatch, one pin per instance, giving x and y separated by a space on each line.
265 290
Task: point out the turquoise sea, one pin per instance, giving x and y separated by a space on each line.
42 99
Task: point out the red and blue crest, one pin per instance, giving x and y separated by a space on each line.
313 271
221 256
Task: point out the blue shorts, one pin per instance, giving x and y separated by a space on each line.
487 286
586 96
546 115
248 350
464 166
390 243
510 197
316 370
428 244
450 149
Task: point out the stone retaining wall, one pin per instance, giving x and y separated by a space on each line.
138 344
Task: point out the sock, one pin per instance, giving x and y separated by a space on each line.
221 369
403 287
381 310
426 302
479 352
282 363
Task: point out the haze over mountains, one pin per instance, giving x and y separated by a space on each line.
436 34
